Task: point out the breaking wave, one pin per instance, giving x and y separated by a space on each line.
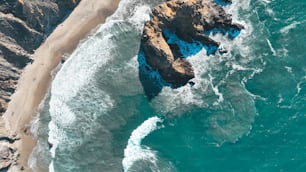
134 151
98 107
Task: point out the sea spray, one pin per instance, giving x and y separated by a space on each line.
86 94
40 157
202 130
213 75
134 151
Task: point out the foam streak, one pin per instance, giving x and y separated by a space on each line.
134 151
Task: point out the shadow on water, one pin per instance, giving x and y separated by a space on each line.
222 2
151 80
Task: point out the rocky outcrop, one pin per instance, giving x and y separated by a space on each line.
8 154
189 20
23 27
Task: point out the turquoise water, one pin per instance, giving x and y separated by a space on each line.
246 111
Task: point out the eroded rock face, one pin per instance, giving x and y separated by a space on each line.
5 160
189 20
23 26
8 153
5 157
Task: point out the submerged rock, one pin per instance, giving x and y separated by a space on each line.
189 20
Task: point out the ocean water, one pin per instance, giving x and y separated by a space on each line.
245 112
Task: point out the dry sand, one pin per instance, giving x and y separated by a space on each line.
36 78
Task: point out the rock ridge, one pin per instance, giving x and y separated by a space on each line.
190 20
23 27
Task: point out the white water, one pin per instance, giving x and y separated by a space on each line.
271 47
293 25
99 54
134 151
77 98
206 92
74 75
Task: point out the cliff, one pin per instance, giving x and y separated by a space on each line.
23 27
190 20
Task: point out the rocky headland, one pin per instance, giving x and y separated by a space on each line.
190 20
24 25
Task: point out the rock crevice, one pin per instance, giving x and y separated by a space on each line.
190 20
23 27
8 153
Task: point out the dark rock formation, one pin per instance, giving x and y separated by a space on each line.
5 157
189 20
23 27
8 154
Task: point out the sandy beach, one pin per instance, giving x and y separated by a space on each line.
36 78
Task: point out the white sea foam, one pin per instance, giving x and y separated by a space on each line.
79 70
271 47
289 27
75 74
299 85
289 69
97 54
235 8
51 167
216 91
76 99
177 101
203 63
141 14
134 151
127 8
206 91
280 99
239 43
266 1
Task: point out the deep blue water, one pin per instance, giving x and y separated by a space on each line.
245 112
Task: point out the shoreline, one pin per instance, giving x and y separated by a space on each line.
36 79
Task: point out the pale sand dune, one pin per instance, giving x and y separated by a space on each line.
36 78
